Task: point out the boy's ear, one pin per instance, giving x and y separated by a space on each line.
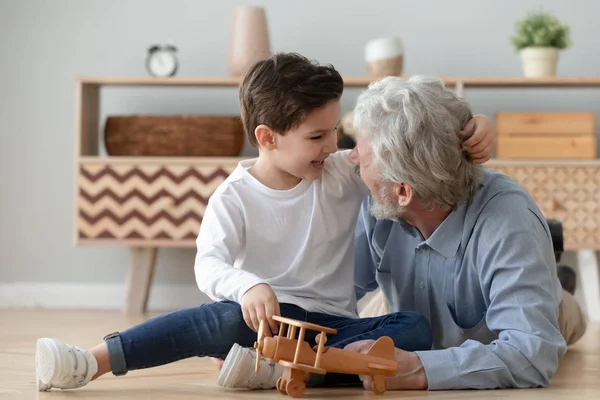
265 137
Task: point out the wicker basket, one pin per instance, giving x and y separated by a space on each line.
190 136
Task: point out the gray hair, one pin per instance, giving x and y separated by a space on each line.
412 127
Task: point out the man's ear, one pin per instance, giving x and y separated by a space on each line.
265 137
404 193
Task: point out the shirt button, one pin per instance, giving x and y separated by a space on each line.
421 285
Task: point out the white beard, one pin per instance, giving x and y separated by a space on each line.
388 208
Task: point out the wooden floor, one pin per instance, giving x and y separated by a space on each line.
577 378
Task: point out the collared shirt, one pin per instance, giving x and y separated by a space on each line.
486 281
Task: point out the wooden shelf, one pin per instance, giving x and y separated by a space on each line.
123 160
474 81
214 81
149 81
542 162
144 243
120 160
558 81
149 202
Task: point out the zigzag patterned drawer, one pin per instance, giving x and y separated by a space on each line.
150 203
161 203
566 191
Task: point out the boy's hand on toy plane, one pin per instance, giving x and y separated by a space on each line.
259 303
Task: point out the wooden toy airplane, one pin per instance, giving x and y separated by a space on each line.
298 357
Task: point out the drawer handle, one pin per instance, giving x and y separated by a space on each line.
556 205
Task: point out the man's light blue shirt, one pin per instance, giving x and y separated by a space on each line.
485 280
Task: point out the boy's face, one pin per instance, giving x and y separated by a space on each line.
301 151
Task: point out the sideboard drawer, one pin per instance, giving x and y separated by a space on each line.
144 202
161 203
568 192
546 135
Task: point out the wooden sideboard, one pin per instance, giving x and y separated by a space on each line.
148 202
568 191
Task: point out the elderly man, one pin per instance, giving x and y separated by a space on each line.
465 246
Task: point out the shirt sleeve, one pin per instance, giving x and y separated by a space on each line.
345 169
219 242
516 267
364 259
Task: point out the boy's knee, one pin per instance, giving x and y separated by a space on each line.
228 320
415 331
424 329
234 320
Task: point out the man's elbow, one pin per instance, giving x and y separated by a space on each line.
541 372
532 379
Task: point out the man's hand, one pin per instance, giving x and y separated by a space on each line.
410 374
259 303
479 135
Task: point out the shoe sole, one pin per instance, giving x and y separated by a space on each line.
237 371
228 375
46 359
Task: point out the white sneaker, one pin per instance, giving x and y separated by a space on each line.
238 370
62 366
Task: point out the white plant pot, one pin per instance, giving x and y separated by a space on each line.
539 61
384 57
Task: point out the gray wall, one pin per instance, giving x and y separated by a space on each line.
46 45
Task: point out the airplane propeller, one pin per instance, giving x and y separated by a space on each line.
258 345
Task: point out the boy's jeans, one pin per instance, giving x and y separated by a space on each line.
210 330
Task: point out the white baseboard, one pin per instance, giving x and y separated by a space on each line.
94 296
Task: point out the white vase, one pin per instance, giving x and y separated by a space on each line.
384 57
249 41
539 61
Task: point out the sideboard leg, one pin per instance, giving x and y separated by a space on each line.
139 278
589 271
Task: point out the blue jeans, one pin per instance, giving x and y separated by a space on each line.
210 330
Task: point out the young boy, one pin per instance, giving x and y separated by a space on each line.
276 239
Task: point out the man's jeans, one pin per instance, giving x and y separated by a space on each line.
210 330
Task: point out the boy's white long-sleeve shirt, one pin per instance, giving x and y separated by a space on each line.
299 241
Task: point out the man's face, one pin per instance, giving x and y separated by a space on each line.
384 203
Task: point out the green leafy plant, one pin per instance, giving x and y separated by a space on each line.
541 28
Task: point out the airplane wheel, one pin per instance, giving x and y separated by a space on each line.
295 388
280 385
378 385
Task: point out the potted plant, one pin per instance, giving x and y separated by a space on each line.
539 38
